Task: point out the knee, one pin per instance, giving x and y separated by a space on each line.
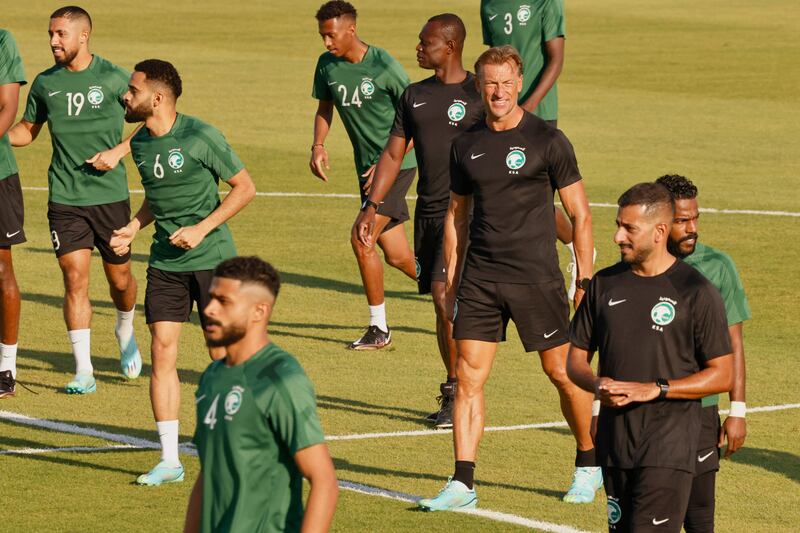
557 374
359 248
122 282
75 281
395 261
7 280
440 305
163 355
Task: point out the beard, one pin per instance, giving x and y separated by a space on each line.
676 248
229 335
69 55
138 114
634 258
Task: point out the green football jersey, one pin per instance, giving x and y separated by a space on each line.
85 113
366 95
180 174
252 419
10 72
720 270
526 25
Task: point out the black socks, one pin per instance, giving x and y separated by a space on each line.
586 458
465 473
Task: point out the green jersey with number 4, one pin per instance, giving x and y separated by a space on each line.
180 174
252 419
10 72
366 95
85 113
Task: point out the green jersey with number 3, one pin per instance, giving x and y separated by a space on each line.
252 419
10 72
180 174
366 95
85 113
527 26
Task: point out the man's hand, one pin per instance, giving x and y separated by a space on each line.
187 237
319 162
620 393
121 240
364 226
735 428
106 160
369 174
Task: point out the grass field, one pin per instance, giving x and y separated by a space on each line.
706 89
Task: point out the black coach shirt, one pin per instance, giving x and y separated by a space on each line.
433 114
512 176
645 328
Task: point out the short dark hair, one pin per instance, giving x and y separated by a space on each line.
680 187
72 13
653 196
453 27
499 55
162 72
334 9
251 269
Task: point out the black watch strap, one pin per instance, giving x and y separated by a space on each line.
663 384
369 203
583 283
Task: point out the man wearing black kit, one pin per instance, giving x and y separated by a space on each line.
661 331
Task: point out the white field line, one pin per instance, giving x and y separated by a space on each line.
277 194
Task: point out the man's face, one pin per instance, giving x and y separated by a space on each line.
228 313
139 99
499 86
636 234
65 38
432 49
683 235
338 35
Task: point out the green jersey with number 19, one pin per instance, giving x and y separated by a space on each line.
366 95
85 113
180 174
10 72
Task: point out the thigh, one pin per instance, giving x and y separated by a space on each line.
200 286
477 314
540 312
659 497
707 450
12 212
700 510
104 219
429 252
167 297
618 497
394 205
69 229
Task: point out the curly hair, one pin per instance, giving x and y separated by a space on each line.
334 9
250 269
680 187
162 72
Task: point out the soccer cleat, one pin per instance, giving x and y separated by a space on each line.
81 384
585 482
8 385
163 472
130 360
572 269
373 339
454 495
444 418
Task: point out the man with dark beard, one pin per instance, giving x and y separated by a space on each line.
257 431
660 329
181 160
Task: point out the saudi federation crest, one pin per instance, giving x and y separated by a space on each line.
524 13
456 111
515 159
95 96
663 313
175 159
614 512
367 87
233 400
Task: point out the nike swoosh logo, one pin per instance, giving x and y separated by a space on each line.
612 302
659 522
332 82
492 17
53 93
473 156
706 456
548 335
416 105
197 400
140 163
9 235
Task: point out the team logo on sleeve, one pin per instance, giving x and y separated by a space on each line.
663 313
515 160
456 112
175 159
95 96
233 401
524 13
367 87
614 511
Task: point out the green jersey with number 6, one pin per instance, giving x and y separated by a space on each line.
366 95
527 26
252 419
10 72
85 113
180 174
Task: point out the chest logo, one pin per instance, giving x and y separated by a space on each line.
524 13
367 87
233 401
515 159
663 313
95 96
456 111
175 159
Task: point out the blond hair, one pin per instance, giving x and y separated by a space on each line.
499 55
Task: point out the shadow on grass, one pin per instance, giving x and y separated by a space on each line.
779 462
136 258
304 325
122 431
364 408
316 282
58 301
63 461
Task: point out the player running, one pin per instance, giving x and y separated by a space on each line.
509 166
80 98
720 270
660 329
364 83
181 160
12 212
431 113
257 434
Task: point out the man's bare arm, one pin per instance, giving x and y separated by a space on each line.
323 119
194 511
554 51
24 133
9 102
735 427
108 159
316 465
573 197
456 231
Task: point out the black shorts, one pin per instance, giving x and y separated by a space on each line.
12 212
74 227
540 311
707 450
429 251
169 295
646 499
394 205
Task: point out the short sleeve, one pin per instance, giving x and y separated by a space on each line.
36 107
737 309
487 31
562 166
710 323
121 78
216 154
320 90
403 125
553 24
459 181
581 328
292 413
11 70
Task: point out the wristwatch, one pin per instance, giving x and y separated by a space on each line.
663 384
369 203
583 283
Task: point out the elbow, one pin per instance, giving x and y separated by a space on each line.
250 192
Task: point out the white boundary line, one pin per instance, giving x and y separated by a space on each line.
278 194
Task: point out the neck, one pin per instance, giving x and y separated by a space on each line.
160 123
451 72
356 52
507 122
241 351
80 61
658 263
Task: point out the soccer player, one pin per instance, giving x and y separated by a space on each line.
12 213
431 113
257 431
80 98
720 270
537 30
509 167
181 160
660 329
364 83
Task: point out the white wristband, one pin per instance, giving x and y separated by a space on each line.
738 409
596 408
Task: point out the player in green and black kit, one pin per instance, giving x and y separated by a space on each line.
80 98
720 270
181 160
364 83
12 78
257 432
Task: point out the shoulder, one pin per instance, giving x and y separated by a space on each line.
472 135
193 128
383 60
325 60
6 39
718 258
609 273
104 67
281 375
691 281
